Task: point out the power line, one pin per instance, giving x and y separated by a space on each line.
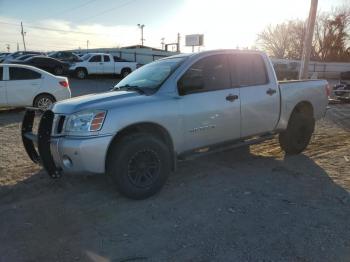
50 29
106 11
69 10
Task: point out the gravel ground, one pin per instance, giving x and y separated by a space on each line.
247 204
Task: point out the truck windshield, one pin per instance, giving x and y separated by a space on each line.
151 76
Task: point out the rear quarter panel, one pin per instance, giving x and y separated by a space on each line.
295 92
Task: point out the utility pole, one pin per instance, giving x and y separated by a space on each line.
17 46
304 65
162 42
23 33
141 27
87 45
178 43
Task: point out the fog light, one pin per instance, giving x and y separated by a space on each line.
67 162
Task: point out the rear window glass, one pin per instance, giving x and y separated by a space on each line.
106 58
250 69
17 73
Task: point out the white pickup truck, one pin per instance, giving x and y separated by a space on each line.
173 108
99 64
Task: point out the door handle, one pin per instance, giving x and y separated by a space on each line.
231 97
101 63
271 91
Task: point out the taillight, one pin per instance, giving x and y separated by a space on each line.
64 84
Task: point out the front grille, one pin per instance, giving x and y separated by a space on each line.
60 124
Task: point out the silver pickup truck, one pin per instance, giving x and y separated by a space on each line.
172 109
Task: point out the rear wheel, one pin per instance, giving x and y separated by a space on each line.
125 72
44 101
298 134
139 164
58 70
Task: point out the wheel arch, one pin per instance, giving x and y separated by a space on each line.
151 128
81 67
126 68
304 107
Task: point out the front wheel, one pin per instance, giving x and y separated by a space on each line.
139 164
81 73
298 134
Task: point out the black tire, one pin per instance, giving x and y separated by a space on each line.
81 73
125 72
298 134
58 70
139 165
43 101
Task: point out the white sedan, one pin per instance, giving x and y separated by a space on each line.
22 85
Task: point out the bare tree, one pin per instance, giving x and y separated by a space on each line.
283 40
331 40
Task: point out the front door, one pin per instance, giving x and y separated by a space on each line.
210 106
108 65
21 86
95 65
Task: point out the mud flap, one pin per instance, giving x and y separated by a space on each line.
44 157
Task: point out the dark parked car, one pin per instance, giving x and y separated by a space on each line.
341 90
65 56
46 63
13 56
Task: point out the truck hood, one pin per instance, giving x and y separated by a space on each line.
96 101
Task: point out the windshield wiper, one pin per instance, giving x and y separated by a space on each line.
131 88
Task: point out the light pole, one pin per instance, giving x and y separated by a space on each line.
141 27
87 45
162 42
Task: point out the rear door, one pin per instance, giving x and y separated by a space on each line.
108 65
22 86
3 96
212 114
95 65
260 100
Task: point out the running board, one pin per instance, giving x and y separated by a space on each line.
204 151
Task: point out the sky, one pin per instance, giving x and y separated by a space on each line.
69 24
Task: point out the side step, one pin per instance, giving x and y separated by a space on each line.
204 151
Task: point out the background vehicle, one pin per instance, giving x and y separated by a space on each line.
99 63
22 85
14 55
173 108
23 57
341 90
46 63
65 56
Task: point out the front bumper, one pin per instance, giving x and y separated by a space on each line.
62 154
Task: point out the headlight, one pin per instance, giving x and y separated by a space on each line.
86 121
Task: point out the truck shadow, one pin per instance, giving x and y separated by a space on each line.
234 206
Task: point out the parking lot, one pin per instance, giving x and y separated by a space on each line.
247 204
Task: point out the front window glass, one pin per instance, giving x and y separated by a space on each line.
151 76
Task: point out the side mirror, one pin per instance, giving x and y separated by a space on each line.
190 85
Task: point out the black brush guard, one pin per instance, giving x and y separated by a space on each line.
42 140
